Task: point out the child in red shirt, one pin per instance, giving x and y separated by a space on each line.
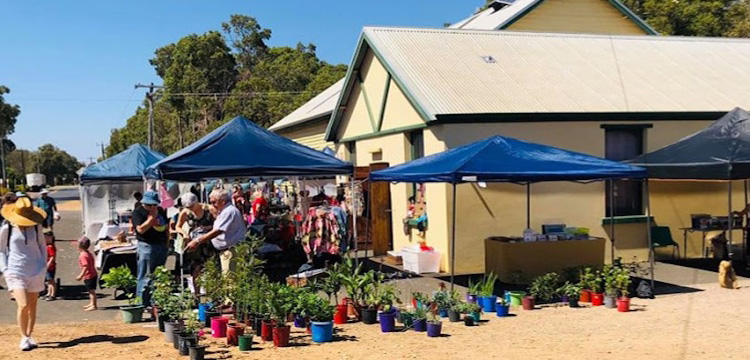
88 271
51 265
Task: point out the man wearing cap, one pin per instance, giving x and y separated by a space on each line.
23 262
150 224
229 229
47 203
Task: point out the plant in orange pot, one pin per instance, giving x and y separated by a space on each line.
586 281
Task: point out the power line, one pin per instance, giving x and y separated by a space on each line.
222 94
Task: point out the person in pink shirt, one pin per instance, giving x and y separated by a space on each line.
88 271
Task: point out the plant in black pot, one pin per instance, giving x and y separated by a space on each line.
572 291
454 313
163 286
357 284
189 336
120 278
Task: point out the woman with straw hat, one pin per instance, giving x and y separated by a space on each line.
23 261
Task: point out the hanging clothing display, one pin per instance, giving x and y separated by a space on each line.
325 231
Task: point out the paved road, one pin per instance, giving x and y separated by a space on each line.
68 308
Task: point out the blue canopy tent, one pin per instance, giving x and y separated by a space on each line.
108 186
503 159
125 166
240 148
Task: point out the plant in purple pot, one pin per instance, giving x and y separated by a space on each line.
420 319
434 325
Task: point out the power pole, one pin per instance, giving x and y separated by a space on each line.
102 145
150 98
2 153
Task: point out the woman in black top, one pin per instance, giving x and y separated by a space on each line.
200 220
151 229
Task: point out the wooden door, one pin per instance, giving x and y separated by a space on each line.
380 213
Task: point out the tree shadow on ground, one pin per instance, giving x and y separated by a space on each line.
93 340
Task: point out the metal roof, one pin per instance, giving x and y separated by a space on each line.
499 15
445 71
319 106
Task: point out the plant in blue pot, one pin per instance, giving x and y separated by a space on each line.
487 298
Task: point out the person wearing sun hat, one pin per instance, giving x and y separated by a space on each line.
150 223
23 261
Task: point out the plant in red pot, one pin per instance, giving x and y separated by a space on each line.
586 279
622 282
597 289
280 300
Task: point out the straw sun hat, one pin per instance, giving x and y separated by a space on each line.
23 213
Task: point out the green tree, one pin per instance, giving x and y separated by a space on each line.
57 165
248 39
8 114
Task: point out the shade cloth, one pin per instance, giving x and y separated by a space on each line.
504 159
719 152
125 166
240 148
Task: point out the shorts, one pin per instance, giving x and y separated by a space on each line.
32 284
50 275
90 284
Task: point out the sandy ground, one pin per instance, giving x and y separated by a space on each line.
698 325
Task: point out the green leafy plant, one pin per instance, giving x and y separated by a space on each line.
474 289
467 308
163 286
488 285
213 281
356 283
120 278
192 324
421 297
433 318
609 276
420 313
280 301
239 282
544 287
332 284
571 290
622 282
320 310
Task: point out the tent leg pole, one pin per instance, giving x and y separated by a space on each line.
528 205
612 219
648 234
744 231
354 223
730 220
453 239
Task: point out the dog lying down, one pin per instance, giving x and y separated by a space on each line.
727 277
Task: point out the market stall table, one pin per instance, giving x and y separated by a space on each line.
511 256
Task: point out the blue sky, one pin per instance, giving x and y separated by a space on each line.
71 65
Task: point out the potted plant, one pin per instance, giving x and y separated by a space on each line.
587 281
163 286
544 287
502 308
321 313
473 291
120 278
280 303
331 285
443 300
420 319
420 299
623 284
454 314
610 274
434 325
487 298
386 295
189 337
597 289
572 291
213 282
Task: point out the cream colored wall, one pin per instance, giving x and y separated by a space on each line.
500 209
577 16
311 134
398 111
359 118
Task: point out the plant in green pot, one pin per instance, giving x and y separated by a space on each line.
120 278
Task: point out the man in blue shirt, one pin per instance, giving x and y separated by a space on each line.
47 203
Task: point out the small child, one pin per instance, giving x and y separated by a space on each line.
88 271
51 265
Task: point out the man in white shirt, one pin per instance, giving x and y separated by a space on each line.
229 229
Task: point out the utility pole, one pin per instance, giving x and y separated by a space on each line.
102 145
150 98
2 154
